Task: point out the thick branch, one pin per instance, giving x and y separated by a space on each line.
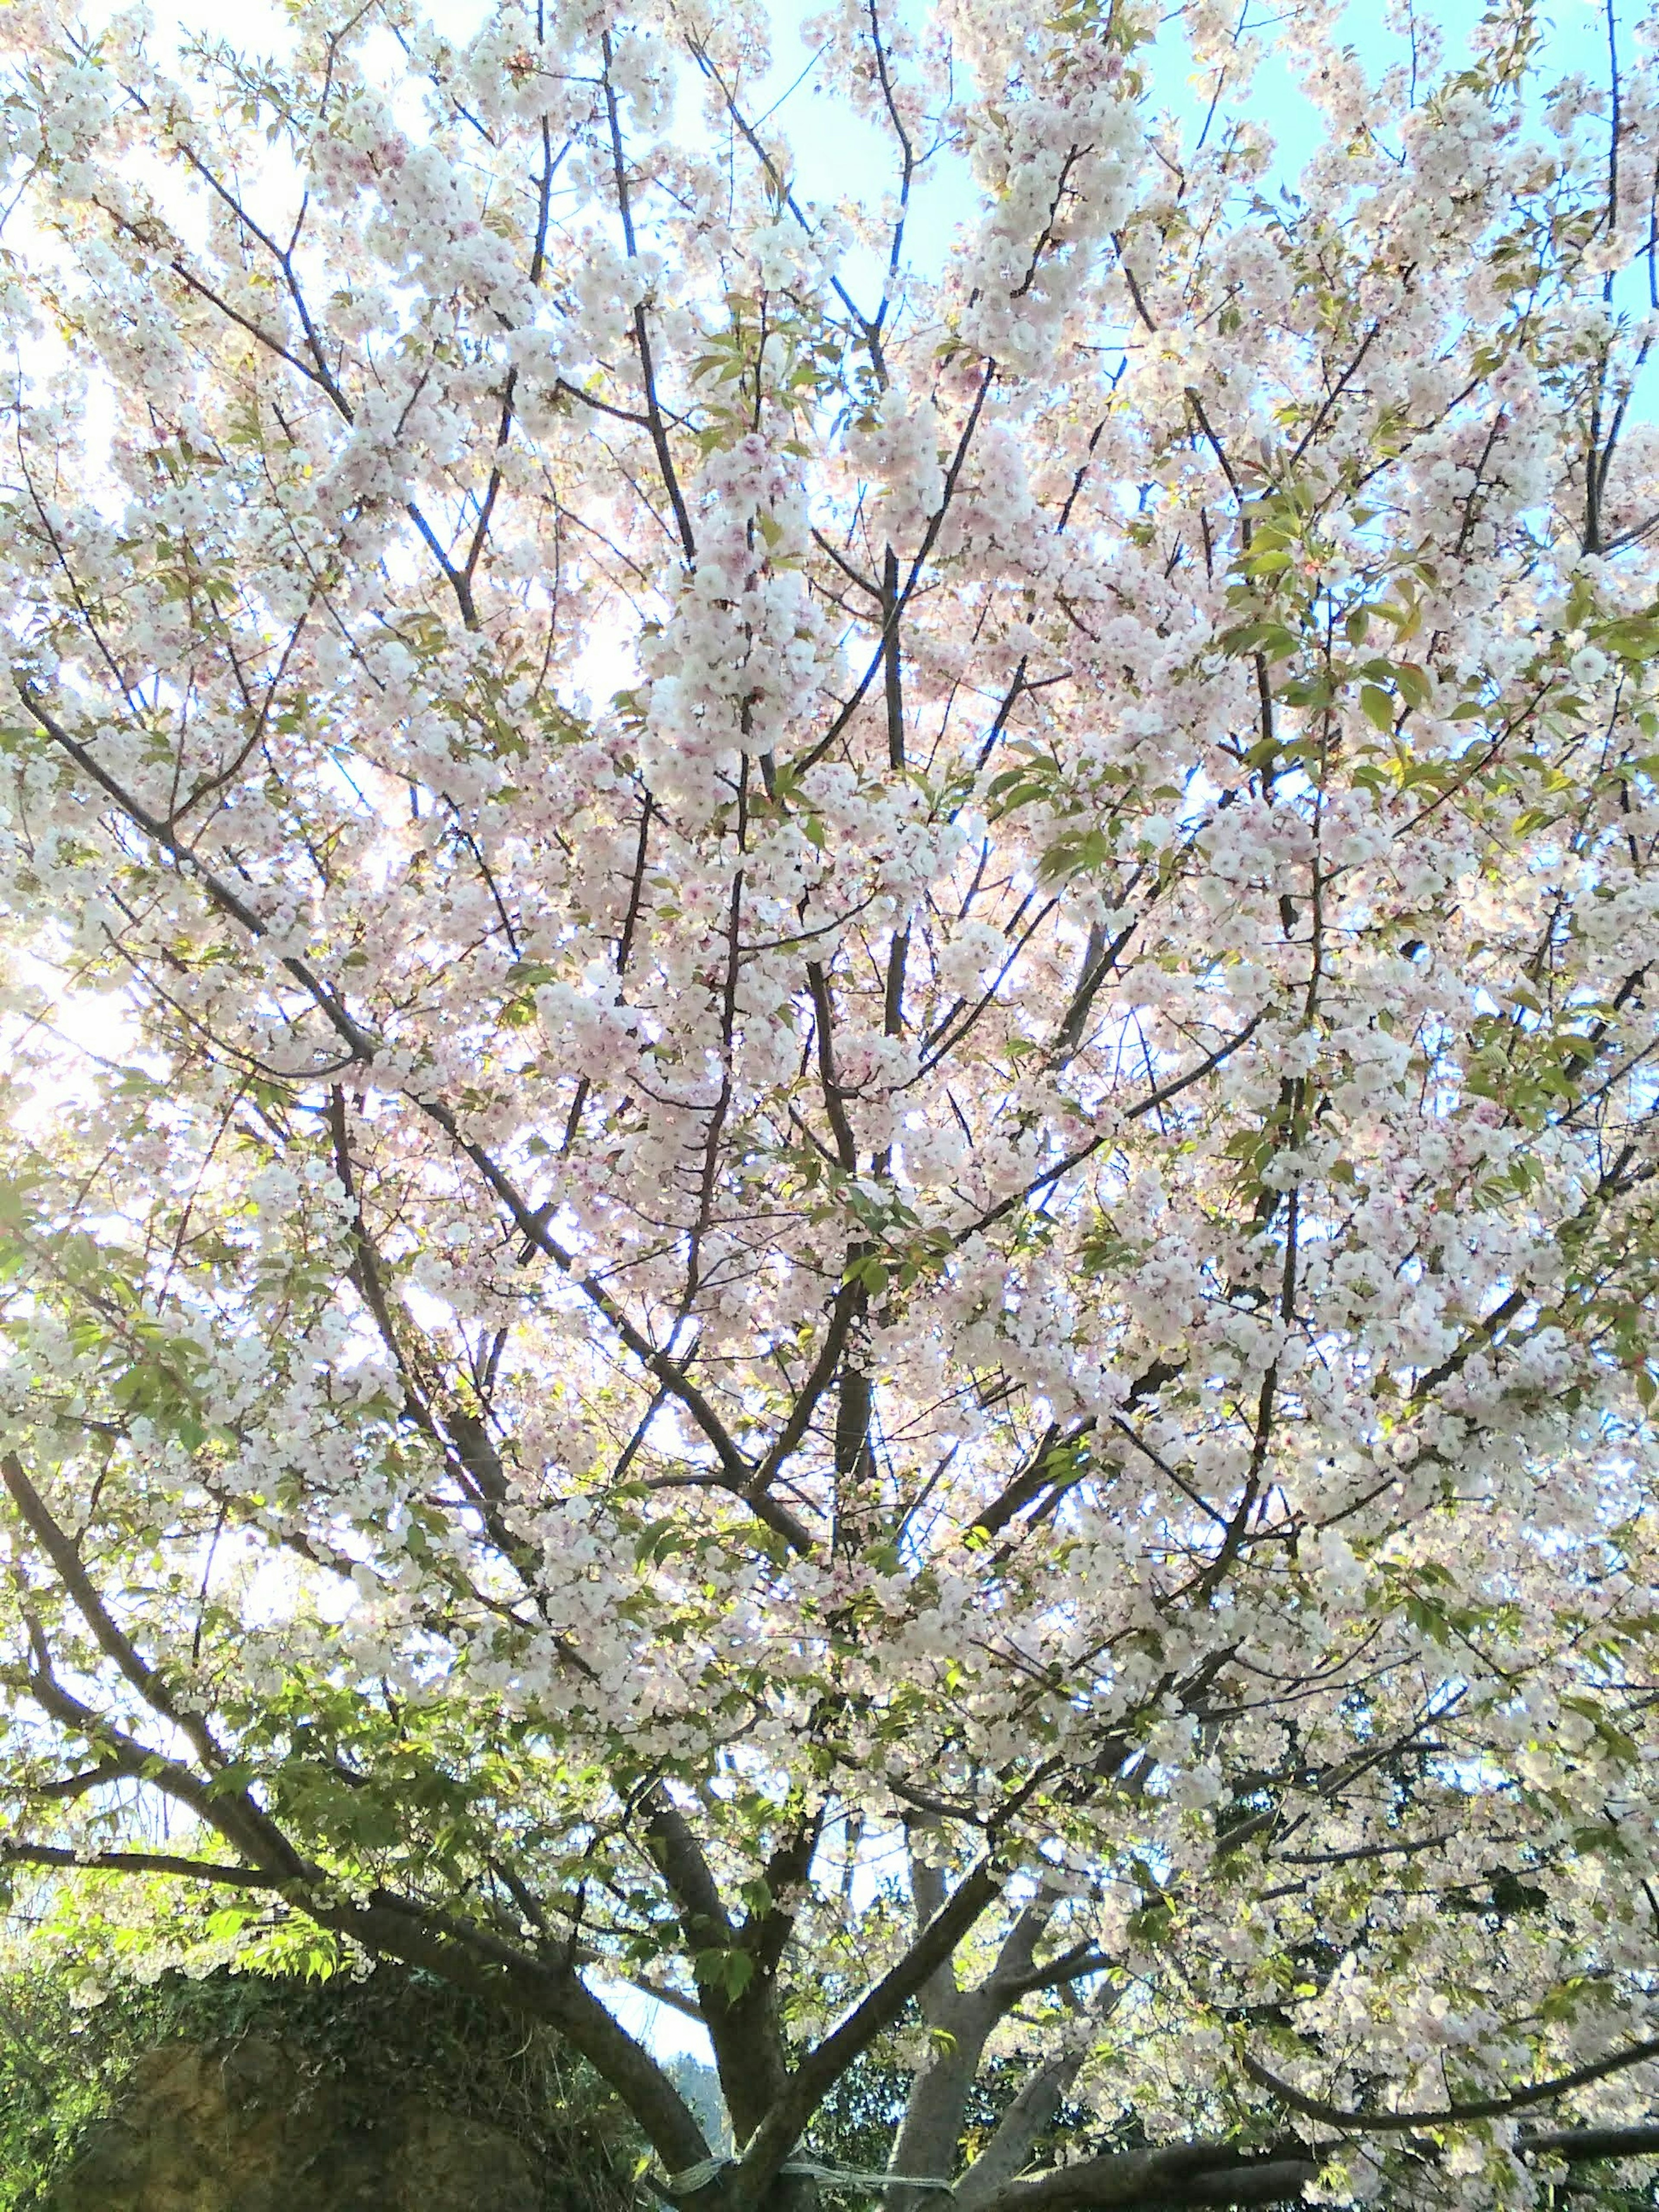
216 1870
826 2063
1173 2175
1480 2108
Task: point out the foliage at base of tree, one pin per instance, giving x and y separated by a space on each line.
389 2037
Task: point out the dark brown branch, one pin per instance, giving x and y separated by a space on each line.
1160 1096
1177 2175
736 1469
472 1960
825 2063
45 1855
1480 2108
238 1817
1174 2174
658 431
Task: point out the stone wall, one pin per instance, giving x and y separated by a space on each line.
249 2127
387 2093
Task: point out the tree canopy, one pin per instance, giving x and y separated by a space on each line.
830 1144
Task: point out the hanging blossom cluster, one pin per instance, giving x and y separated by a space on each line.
831 1172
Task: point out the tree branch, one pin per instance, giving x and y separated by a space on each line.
1481 2108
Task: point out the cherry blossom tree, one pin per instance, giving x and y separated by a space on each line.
831 1163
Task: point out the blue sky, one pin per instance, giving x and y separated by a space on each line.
835 153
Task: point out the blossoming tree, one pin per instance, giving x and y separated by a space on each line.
831 1159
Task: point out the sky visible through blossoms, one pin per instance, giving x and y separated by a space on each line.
830 159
